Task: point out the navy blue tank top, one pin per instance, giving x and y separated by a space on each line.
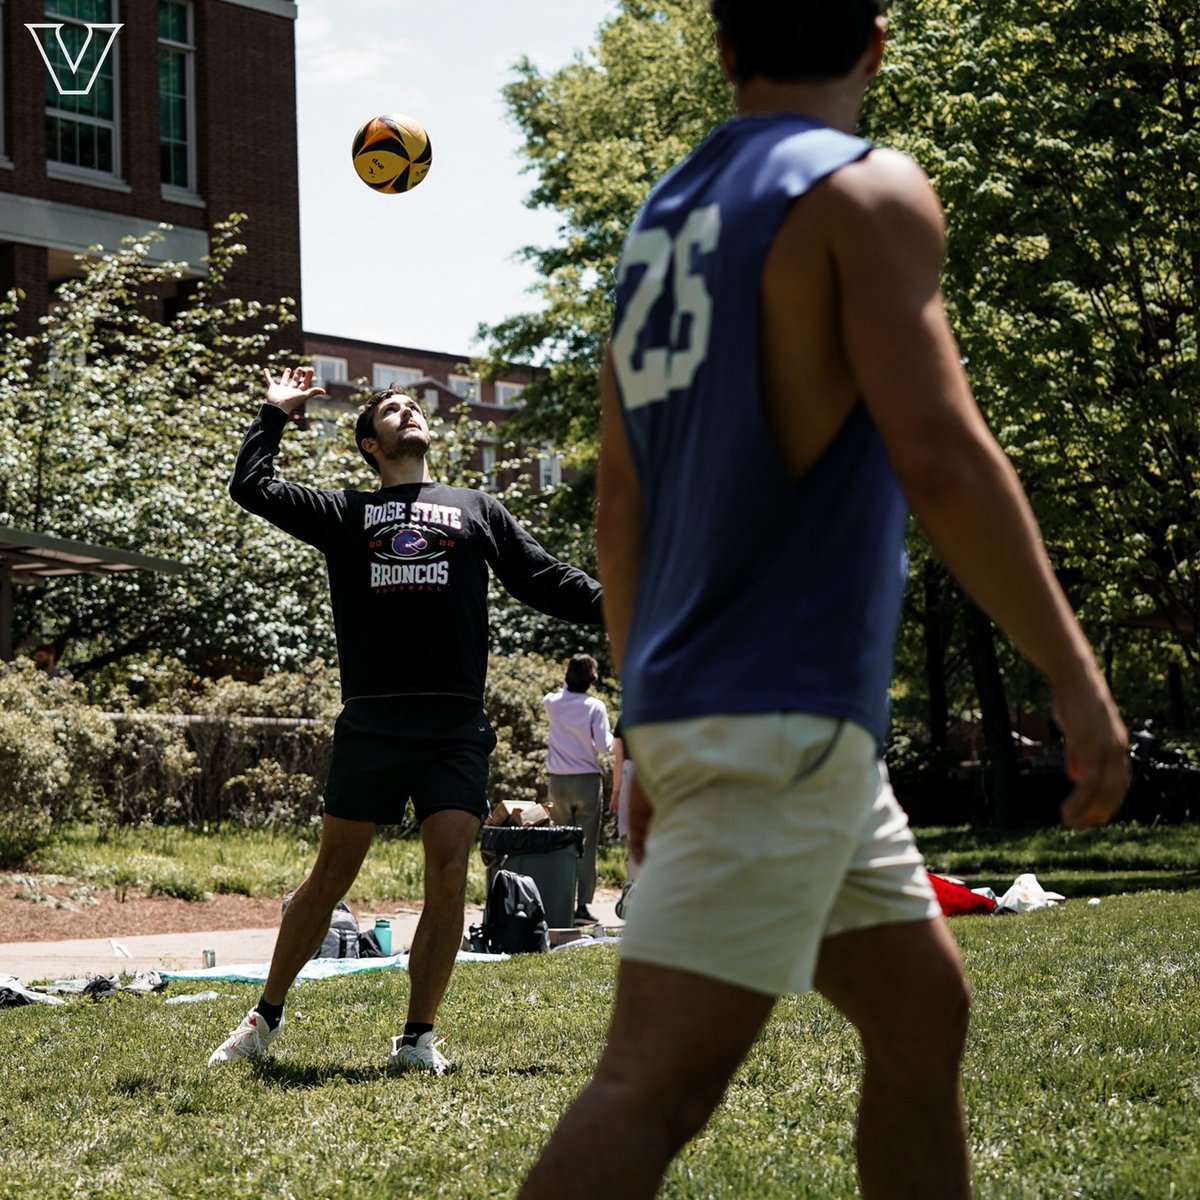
758 593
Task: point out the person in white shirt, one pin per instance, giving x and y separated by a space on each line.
579 734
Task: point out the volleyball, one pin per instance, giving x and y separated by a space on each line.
392 153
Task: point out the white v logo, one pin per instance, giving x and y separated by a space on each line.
73 63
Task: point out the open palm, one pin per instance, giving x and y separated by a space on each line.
292 388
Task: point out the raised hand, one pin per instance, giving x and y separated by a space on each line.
293 387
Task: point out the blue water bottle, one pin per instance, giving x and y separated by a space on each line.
383 935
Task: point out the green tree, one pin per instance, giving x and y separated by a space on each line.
119 427
598 133
1063 141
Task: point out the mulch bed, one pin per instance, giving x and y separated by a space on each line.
50 909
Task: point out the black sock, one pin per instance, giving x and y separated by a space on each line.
273 1012
412 1031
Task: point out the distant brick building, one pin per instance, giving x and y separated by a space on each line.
439 380
162 132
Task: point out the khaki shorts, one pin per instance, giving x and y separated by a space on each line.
771 832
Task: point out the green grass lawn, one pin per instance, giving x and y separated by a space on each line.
1082 1079
190 863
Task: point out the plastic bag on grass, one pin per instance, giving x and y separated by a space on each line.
1027 894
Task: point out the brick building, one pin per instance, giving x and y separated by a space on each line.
439 380
151 124
184 114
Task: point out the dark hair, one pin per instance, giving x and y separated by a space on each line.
581 672
789 41
364 427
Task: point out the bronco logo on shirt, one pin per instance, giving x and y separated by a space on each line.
410 556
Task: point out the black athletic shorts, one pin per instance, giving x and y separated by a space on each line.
432 750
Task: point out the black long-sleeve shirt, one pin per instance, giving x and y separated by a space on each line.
408 571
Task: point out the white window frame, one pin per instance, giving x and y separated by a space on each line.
337 374
549 468
465 387
487 461
508 393
191 190
61 170
383 374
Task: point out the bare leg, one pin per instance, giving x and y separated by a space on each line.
663 1072
447 837
903 988
344 845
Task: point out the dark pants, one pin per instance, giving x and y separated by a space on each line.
575 800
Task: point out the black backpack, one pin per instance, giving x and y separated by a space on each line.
514 921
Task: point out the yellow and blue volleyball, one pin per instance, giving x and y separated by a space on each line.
392 153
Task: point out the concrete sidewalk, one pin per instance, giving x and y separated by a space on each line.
36 962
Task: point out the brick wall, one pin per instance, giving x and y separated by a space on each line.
246 145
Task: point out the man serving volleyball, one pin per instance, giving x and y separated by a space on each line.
408 567
780 347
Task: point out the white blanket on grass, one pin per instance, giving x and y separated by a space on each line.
315 968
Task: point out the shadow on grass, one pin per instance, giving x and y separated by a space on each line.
136 1085
1075 885
294 1076
530 1069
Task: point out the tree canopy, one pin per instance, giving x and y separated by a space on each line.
1063 141
120 421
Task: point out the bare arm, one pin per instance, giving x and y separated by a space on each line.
886 238
619 519
614 805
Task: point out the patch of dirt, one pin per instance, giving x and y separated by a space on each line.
50 909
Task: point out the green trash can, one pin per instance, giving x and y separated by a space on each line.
548 854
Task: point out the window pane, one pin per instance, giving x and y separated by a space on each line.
103 93
174 159
170 72
175 118
104 148
87 146
173 22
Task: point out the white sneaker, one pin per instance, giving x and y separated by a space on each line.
424 1056
249 1040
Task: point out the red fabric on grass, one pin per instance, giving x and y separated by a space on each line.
959 901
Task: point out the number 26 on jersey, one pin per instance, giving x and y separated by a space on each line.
673 341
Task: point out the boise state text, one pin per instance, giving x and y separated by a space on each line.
408 543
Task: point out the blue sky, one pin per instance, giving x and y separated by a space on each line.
425 268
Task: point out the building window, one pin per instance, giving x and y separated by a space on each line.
464 386
328 370
81 130
507 394
384 374
177 96
549 468
487 456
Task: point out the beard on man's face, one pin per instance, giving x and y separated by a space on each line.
409 443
